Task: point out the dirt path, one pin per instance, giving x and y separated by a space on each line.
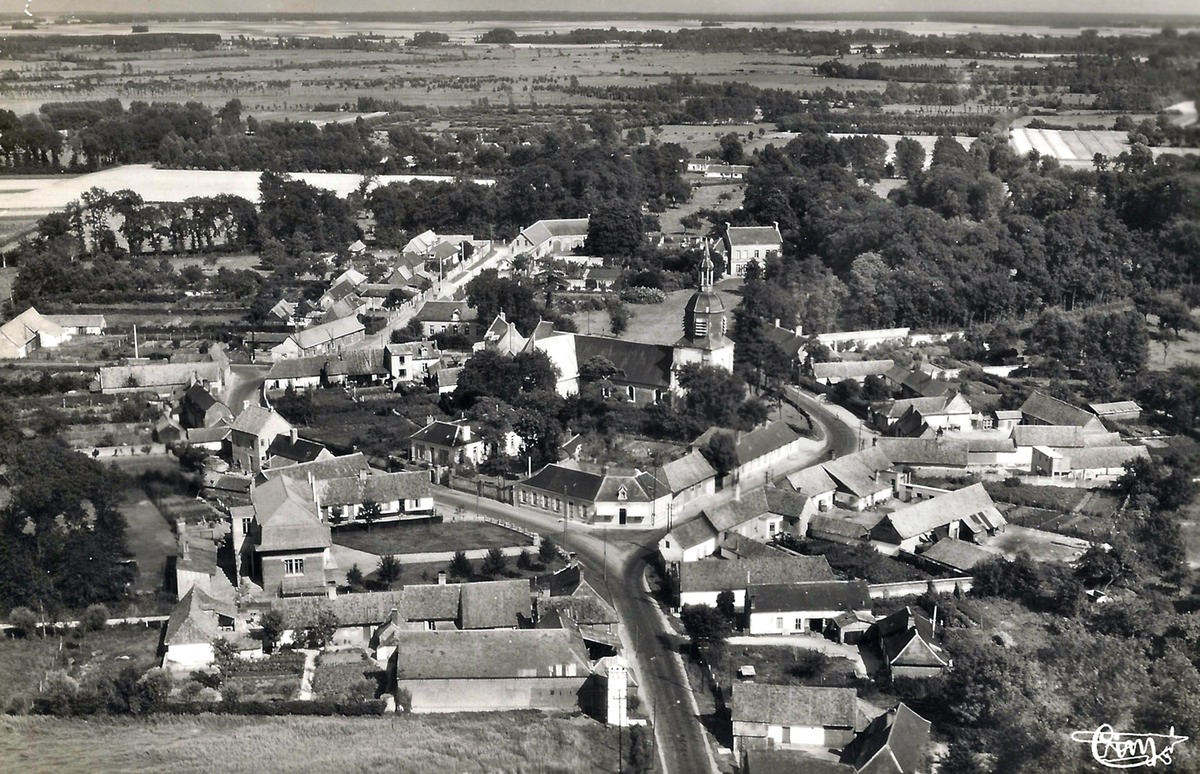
306 679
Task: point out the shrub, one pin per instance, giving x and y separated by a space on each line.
460 565
59 695
94 618
640 295
547 552
495 562
390 569
523 561
24 619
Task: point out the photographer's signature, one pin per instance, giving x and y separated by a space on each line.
1129 751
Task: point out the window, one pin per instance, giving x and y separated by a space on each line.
771 527
799 624
622 494
666 543
779 623
293 566
246 525
629 391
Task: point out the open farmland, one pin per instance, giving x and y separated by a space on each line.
508 742
1077 148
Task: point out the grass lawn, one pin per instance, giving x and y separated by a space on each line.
494 742
427 572
23 662
782 665
384 539
660 323
1182 351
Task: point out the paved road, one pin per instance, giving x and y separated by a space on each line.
840 436
617 561
244 383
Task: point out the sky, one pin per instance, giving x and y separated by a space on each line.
739 7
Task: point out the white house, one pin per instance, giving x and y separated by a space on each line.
790 716
744 244
801 608
195 622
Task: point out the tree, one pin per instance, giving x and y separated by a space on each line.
731 149
94 618
618 316
318 631
547 551
524 560
641 750
910 158
708 629
721 453
495 562
390 569
155 687
273 626
24 619
354 576
460 565
712 394
726 605
616 228
370 512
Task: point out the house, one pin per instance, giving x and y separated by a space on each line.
850 627
857 370
502 336
199 408
323 339
195 563
597 494
291 449
939 452
896 742
801 608
954 555
1088 462
915 417
744 244
551 237
29 331
967 512
457 442
79 324
319 470
701 582
568 594
404 495
690 541
358 615
453 317
861 478
845 527
689 478
214 439
166 378
1119 411
760 452
284 312
362 367
252 433
196 621
1060 438
916 384
297 373
786 716
726 171
790 342
284 539
412 361
816 487
1041 409
906 641
490 671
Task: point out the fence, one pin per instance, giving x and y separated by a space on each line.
493 489
535 537
912 588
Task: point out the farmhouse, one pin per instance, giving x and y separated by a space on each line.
568 594
318 471
855 370
457 442
1041 409
793 716
928 453
321 339
404 495
916 384
251 435
195 622
800 608
596 494
488 671
551 237
744 244
454 317
967 512
726 171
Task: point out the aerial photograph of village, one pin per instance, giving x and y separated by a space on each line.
728 387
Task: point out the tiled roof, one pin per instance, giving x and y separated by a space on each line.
199 435
495 604
810 597
838 525
570 480
24 328
489 653
721 574
941 451
784 503
320 470
811 482
431 602
731 513
764 440
1053 411
77 320
256 420
966 503
377 488
894 743
373 607
443 311
957 554
687 471
642 365
357 362
441 432
794 705
693 532
1057 436
327 332
193 620
1104 456
199 397
287 516
856 472
851 369
159 375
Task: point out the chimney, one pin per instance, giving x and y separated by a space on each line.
776 322
465 428
294 434
428 419
184 548
362 476
933 623
441 577
737 490
245 405
395 617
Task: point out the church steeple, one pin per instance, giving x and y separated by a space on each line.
706 271
704 315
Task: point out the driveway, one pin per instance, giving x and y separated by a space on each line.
244 383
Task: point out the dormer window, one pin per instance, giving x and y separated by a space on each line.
622 494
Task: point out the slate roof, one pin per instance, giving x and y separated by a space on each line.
722 574
338 467
812 481
300 450
753 235
851 369
199 397
810 597
764 440
1061 436
784 503
193 620
856 472
693 532
941 451
972 504
794 705
686 471
642 365
1053 411
431 602
443 311
570 479
957 554
256 419
893 743
199 435
287 516
357 362
491 653
377 488
325 333
441 432
495 604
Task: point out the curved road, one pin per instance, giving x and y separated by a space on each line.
618 561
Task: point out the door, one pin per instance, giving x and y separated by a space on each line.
622 516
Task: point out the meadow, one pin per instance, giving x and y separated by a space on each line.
383 539
493 742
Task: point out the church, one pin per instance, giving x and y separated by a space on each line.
646 373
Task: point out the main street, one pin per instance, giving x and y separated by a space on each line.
617 561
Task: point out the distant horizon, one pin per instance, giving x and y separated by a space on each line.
752 10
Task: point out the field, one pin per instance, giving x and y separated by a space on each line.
1184 351
1076 148
23 662
383 539
494 742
